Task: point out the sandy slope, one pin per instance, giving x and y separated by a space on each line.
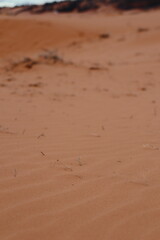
80 134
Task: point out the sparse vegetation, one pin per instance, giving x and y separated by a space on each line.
83 6
48 57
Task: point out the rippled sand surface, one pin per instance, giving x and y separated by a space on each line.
79 126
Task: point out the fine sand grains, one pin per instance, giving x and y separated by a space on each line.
79 126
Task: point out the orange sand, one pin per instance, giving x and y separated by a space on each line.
80 135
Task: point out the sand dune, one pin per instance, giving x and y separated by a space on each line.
79 126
